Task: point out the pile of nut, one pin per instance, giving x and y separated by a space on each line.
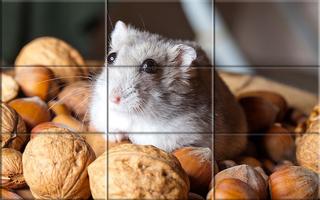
49 150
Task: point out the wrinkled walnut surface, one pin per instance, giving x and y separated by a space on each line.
13 129
140 172
55 166
52 53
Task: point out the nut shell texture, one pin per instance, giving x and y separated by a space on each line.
9 88
13 129
143 172
55 166
11 169
55 54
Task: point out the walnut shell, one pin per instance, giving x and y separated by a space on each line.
49 127
55 166
13 129
307 153
138 172
76 97
9 88
11 169
246 174
65 61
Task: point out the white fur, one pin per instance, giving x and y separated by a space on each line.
135 117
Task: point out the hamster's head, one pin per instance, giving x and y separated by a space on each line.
145 73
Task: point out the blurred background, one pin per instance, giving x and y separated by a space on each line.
275 39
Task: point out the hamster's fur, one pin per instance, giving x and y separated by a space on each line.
171 108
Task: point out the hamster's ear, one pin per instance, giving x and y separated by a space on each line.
185 54
119 34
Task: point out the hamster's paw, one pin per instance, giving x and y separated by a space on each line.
117 136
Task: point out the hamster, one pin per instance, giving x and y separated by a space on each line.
158 91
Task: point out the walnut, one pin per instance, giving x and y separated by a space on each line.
55 166
65 61
11 169
13 129
307 151
138 172
9 88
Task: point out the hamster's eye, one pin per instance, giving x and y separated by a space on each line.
149 66
111 57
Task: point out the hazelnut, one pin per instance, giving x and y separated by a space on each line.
58 108
32 110
262 173
251 161
11 169
197 167
37 81
260 113
282 164
233 189
268 165
246 174
225 164
52 160
194 196
294 182
9 88
76 97
70 122
13 129
138 172
6 194
25 193
279 144
65 62
273 97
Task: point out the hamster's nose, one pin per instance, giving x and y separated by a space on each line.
115 99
